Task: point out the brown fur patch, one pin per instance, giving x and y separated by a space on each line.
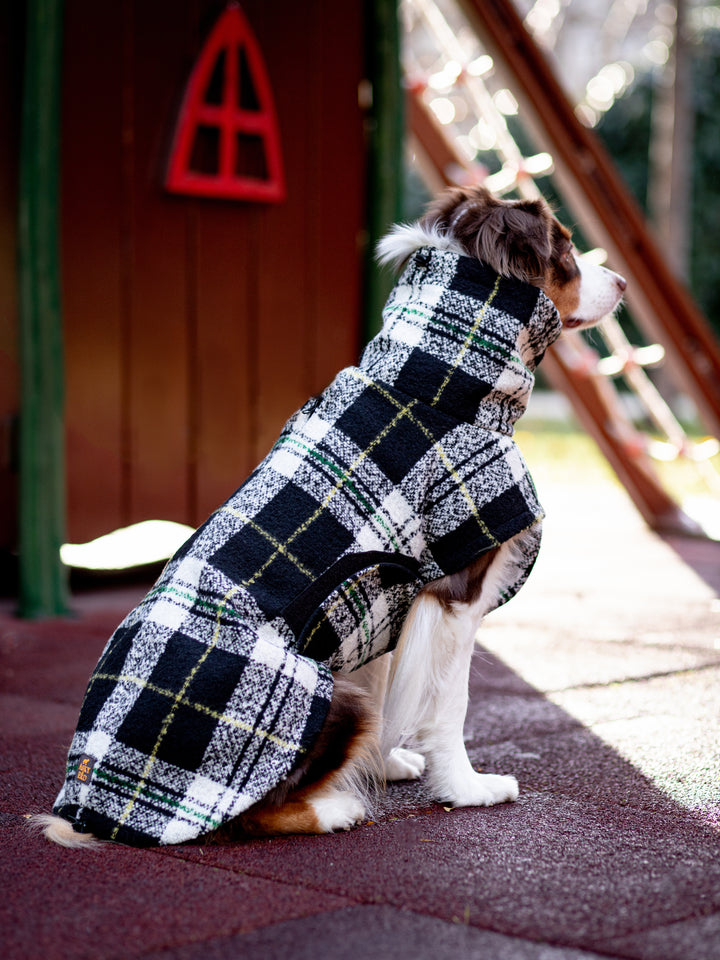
295 815
517 238
562 278
465 585
511 236
348 737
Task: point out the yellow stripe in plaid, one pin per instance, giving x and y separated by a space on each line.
438 446
468 340
327 614
280 548
177 702
446 460
345 479
201 708
180 697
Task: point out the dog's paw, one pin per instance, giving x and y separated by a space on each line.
404 764
338 810
480 790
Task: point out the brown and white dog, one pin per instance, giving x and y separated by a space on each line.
417 696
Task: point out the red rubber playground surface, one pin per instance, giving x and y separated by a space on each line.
598 687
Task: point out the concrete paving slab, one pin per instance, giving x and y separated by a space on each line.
122 903
700 555
668 728
382 933
597 687
697 938
602 574
554 660
574 765
545 869
499 717
652 744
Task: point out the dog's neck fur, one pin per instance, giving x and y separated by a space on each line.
465 324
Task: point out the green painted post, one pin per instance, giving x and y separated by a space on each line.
386 124
43 581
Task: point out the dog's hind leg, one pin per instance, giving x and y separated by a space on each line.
317 809
428 693
398 762
328 791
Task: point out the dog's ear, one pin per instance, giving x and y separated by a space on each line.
516 240
512 237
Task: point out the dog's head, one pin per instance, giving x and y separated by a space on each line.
519 239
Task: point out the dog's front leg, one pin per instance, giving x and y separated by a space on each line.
440 736
427 696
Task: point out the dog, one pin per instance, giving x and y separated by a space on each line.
313 638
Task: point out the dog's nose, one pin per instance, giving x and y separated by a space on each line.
621 282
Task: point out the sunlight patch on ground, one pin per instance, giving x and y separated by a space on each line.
151 541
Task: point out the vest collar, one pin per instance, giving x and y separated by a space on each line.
462 339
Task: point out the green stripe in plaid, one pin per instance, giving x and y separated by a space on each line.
402 470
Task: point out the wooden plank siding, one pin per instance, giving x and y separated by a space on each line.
193 328
12 34
93 207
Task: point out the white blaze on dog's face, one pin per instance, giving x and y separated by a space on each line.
601 291
583 292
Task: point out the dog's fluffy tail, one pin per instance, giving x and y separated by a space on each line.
60 831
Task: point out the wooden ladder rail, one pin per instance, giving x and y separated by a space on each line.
569 366
609 215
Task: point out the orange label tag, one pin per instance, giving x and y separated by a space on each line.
86 768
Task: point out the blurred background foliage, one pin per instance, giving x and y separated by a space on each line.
626 132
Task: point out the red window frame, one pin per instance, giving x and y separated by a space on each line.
231 37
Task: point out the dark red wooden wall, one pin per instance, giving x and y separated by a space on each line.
11 32
193 328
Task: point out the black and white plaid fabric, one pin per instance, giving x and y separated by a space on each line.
403 470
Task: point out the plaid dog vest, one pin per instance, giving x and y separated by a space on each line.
401 471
